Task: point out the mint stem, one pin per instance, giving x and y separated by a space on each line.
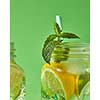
59 39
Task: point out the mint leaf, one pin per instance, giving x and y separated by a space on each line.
47 51
52 41
68 35
50 38
57 29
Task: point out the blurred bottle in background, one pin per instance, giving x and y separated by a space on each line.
17 77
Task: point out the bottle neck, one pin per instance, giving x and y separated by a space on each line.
12 59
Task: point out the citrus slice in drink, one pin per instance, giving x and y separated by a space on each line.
56 83
85 93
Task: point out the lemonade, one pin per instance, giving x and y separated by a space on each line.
63 78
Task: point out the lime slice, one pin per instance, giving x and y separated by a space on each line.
83 79
85 93
52 87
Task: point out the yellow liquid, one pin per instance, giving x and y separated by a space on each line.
69 81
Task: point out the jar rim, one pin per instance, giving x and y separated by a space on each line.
72 50
73 44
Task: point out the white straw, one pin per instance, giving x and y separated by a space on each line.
58 21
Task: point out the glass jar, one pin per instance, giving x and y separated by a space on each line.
68 72
17 78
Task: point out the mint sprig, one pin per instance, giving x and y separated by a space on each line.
53 40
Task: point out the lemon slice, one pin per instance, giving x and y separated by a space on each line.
17 80
53 85
56 85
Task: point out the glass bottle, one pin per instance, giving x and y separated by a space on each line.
66 76
17 77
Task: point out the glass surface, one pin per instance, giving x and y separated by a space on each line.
66 76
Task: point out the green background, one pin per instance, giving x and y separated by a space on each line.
32 21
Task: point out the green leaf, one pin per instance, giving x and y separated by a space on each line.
68 35
51 42
47 51
50 38
57 29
